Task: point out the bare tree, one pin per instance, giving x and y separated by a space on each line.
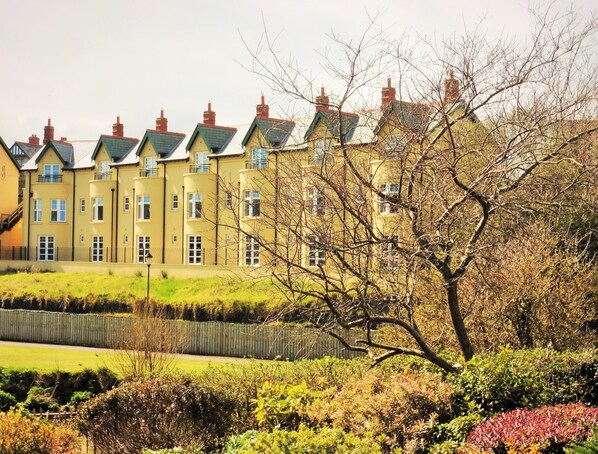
374 225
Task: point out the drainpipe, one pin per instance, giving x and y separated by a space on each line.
112 225
183 204
73 219
115 245
29 216
134 227
164 213
217 208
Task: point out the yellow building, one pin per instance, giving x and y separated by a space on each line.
219 195
10 209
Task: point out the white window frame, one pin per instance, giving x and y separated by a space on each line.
51 173
97 209
58 210
150 166
144 207
390 190
37 210
143 247
174 204
46 248
252 203
229 199
82 206
201 162
104 170
395 145
194 205
259 158
126 203
316 256
97 248
321 151
252 251
389 254
316 201
194 251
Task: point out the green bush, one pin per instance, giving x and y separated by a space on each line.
79 397
451 436
401 408
529 378
39 398
157 413
282 405
7 400
62 384
302 441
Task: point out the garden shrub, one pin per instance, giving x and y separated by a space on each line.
403 408
282 405
17 382
544 429
79 397
39 398
590 446
157 413
302 441
22 435
7 400
529 378
450 436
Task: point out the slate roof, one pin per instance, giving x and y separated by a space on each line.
116 147
348 122
163 142
74 155
215 137
28 148
276 132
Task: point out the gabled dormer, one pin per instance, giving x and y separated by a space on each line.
157 144
208 140
111 149
265 133
330 123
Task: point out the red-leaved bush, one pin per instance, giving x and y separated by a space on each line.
540 428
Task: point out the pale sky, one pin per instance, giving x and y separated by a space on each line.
82 62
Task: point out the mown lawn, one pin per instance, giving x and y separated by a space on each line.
51 359
222 297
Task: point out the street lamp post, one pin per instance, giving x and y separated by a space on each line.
148 261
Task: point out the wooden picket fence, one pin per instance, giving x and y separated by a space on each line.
199 338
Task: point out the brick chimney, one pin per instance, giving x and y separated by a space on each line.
389 95
262 110
322 101
48 132
162 122
209 116
451 88
118 129
33 140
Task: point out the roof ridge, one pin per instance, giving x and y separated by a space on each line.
166 132
204 125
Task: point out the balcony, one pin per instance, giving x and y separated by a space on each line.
150 172
102 176
199 168
49 178
256 164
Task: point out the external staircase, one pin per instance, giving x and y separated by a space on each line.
8 221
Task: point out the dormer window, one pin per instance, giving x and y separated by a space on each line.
103 170
51 174
201 163
259 158
321 149
395 146
151 167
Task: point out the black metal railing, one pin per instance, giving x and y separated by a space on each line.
49 178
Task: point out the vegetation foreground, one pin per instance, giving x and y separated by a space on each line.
513 401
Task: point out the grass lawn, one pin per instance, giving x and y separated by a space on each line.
49 359
220 296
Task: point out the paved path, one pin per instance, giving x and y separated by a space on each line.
215 359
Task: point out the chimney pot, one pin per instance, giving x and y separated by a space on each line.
118 129
389 94
322 101
63 139
262 110
451 88
48 132
162 122
33 139
209 116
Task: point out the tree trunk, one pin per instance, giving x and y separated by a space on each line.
457 319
